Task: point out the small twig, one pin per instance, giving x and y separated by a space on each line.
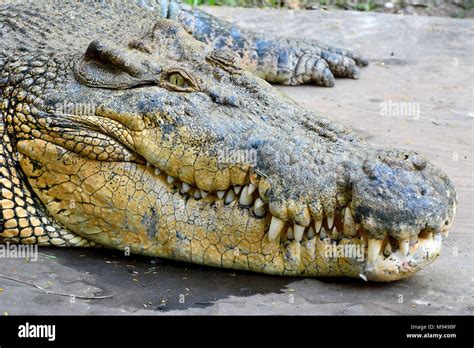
48 256
55 293
259 172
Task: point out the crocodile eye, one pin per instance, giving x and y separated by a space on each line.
180 81
177 80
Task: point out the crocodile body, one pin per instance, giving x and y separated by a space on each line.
157 137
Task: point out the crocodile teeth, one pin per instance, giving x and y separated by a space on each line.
276 226
290 234
311 233
404 246
229 198
197 194
330 220
413 240
349 223
259 203
428 235
186 187
335 233
237 189
157 171
204 194
170 179
317 225
148 164
375 245
252 188
387 251
220 194
245 197
323 234
259 212
258 208
299 230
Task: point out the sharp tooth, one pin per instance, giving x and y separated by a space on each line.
245 198
170 179
311 233
204 194
157 171
252 188
148 164
229 198
186 187
260 212
330 220
387 251
275 228
258 208
428 235
299 230
317 225
220 194
289 233
259 203
349 224
404 246
375 245
335 233
322 233
413 240
197 194
237 189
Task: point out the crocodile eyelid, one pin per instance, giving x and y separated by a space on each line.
192 84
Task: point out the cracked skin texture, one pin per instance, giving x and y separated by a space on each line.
124 138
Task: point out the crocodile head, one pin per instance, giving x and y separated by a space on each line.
165 147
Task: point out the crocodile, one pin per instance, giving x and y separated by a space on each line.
152 128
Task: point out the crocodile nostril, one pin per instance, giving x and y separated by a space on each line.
418 162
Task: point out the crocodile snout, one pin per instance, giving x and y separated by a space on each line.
405 204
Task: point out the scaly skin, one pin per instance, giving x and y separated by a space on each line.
141 138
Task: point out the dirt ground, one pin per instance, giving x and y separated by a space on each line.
425 62
440 8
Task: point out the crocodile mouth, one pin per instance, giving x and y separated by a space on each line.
330 242
337 236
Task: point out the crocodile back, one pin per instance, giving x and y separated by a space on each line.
64 26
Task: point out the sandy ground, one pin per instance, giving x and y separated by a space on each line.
419 60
